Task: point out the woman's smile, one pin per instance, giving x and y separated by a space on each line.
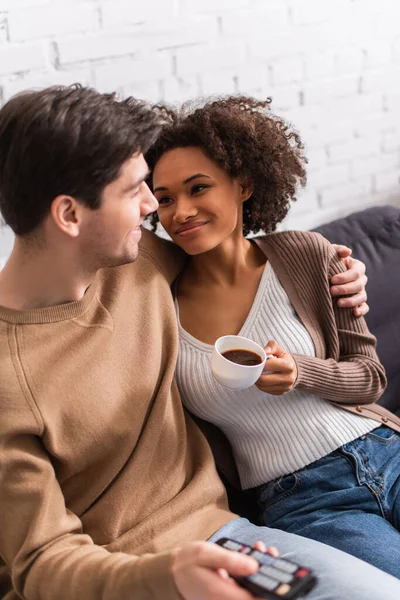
190 228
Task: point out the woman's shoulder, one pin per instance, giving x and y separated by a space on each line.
305 252
297 242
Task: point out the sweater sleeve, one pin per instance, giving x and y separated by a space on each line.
167 256
357 377
42 542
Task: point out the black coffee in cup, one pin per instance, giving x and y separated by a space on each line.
242 357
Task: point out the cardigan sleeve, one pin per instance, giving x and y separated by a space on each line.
355 375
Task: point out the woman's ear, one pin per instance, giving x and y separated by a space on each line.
246 189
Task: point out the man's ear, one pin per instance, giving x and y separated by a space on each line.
66 213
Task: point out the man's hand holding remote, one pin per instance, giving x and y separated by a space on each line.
203 571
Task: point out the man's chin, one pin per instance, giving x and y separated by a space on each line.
122 260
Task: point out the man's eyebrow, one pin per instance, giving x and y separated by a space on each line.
188 180
143 178
136 183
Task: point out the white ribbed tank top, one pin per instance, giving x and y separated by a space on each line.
270 435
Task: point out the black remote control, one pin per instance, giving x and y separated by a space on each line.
276 578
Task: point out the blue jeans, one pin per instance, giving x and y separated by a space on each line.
349 499
340 576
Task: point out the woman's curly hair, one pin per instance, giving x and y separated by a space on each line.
241 135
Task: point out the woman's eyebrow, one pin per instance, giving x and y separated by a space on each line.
197 175
188 180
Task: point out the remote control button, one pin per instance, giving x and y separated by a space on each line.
231 545
264 559
302 573
282 590
246 550
285 565
266 582
279 575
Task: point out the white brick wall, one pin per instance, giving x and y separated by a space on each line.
332 68
50 21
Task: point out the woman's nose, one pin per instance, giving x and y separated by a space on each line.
184 210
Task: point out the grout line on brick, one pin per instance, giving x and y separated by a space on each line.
3 21
161 90
99 18
54 55
174 65
220 26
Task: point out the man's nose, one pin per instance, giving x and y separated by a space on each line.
149 203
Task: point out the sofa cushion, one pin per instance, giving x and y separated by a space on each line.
374 236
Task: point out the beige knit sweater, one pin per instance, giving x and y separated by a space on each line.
98 461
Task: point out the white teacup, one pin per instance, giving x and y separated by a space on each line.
231 374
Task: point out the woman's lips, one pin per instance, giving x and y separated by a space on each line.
190 228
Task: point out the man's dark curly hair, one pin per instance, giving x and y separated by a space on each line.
241 135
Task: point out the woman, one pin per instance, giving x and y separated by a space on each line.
318 459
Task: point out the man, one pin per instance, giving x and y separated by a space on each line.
106 485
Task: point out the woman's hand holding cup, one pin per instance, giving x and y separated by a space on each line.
278 378
282 371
